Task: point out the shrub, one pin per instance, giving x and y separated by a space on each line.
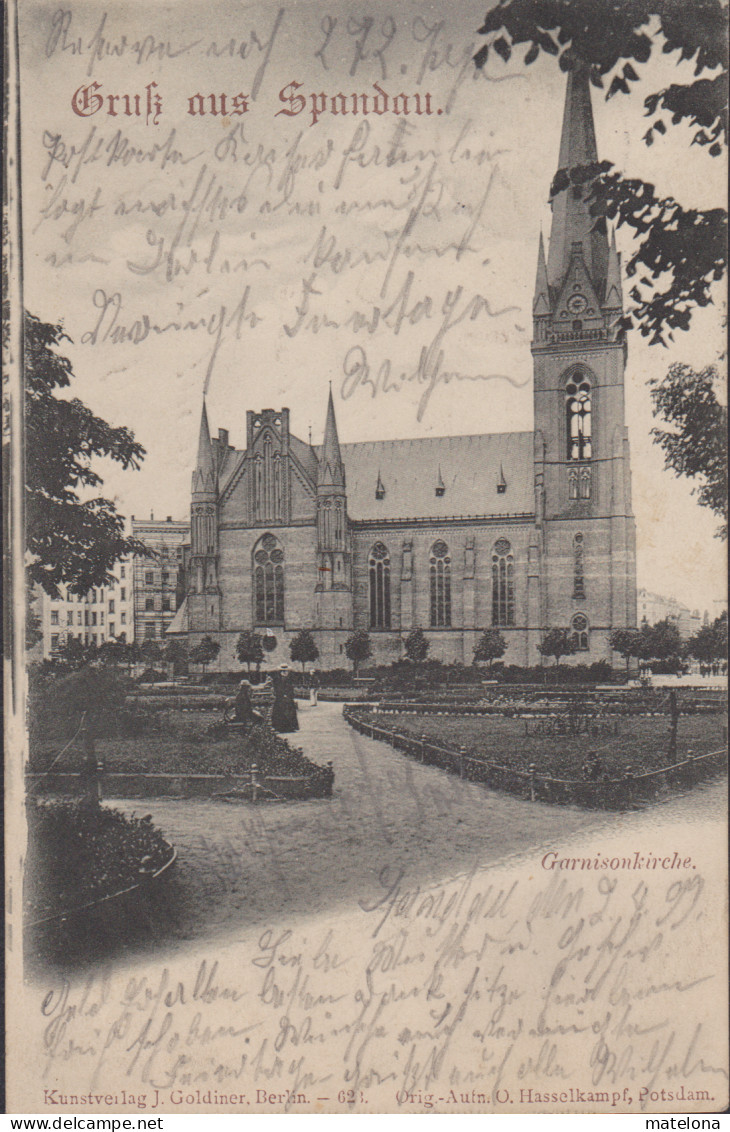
152 676
78 854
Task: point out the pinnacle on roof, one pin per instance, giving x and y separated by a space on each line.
204 477
572 222
440 485
541 302
614 297
379 488
501 482
330 459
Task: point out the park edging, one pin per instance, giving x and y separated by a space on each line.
613 794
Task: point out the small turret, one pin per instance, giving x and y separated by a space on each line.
541 302
614 296
204 477
331 472
203 592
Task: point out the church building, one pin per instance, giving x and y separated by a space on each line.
524 531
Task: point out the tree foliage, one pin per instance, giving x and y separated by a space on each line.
684 247
709 643
695 442
417 645
557 643
358 648
490 646
303 649
627 643
176 655
69 539
661 641
204 652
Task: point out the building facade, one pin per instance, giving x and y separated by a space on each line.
520 531
156 582
653 607
104 613
137 605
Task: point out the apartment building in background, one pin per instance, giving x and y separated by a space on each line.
137 605
653 607
102 614
158 577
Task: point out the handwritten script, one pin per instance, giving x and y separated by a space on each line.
424 998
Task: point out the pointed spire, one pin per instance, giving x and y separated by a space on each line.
541 302
331 471
440 485
379 488
572 222
204 476
614 296
501 482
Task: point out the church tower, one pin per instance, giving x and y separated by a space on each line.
582 476
204 601
334 557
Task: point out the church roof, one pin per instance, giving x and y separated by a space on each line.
469 471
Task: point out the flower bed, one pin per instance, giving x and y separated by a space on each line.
79 854
188 744
642 743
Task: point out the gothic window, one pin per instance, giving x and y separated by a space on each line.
503 585
268 579
440 571
268 483
579 586
573 484
327 522
578 419
585 483
379 573
339 529
579 631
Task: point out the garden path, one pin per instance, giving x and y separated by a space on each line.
240 864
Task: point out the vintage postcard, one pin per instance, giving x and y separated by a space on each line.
366 657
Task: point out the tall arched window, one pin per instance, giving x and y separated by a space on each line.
579 585
579 631
440 570
503 586
578 418
268 581
379 567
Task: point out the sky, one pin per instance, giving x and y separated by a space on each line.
262 249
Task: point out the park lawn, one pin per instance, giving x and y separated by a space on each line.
642 743
183 745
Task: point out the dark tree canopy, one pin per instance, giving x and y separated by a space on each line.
710 642
71 540
204 652
695 443
661 641
490 646
302 648
626 642
417 645
609 37
358 648
249 648
603 34
557 643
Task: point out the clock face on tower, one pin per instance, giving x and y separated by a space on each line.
576 304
